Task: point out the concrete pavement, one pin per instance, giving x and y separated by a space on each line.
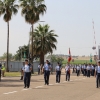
79 88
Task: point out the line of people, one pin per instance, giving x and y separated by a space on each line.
86 69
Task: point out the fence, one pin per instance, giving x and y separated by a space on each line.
15 66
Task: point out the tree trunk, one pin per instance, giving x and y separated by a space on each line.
42 58
32 49
8 48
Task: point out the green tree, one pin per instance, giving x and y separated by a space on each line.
31 10
4 56
8 8
44 41
20 52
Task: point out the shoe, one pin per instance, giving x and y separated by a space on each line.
25 87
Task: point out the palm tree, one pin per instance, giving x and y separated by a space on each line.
44 41
8 8
31 10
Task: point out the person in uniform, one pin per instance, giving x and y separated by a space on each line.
88 70
67 71
49 64
22 71
27 69
39 68
84 69
58 73
97 74
3 70
46 68
92 69
78 70
0 71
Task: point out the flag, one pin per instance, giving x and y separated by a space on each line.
69 58
90 58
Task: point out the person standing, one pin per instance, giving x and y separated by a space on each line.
97 74
46 72
58 72
88 70
78 70
84 69
92 70
22 71
49 64
27 69
39 68
3 70
0 71
67 71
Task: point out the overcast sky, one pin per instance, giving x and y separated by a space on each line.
71 20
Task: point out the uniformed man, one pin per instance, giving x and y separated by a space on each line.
27 69
46 68
67 71
85 70
78 70
22 71
92 70
97 74
88 70
58 73
50 67
0 71
39 68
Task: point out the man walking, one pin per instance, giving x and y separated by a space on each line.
97 74
58 73
46 72
0 71
67 71
27 69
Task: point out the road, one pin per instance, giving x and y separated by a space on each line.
79 88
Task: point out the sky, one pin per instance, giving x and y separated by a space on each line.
71 20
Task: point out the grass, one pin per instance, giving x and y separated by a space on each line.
79 62
15 74
12 74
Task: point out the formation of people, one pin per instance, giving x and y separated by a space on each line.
85 69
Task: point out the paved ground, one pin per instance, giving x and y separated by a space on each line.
79 88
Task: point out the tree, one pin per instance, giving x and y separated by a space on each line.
31 10
21 51
44 41
8 8
4 56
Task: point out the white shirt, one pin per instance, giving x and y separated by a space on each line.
78 67
27 68
23 68
98 69
46 67
57 68
84 67
39 66
67 68
92 67
88 67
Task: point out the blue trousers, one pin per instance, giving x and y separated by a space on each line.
27 79
58 73
46 77
97 80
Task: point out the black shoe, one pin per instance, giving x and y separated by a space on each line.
27 86
24 86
